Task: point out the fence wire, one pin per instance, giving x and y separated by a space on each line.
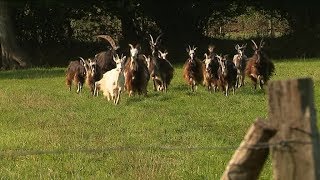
258 146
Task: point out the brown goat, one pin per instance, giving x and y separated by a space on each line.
136 73
210 72
259 67
192 70
93 74
76 73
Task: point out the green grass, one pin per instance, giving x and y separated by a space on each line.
49 132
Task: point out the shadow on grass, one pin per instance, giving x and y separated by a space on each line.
134 99
33 73
248 90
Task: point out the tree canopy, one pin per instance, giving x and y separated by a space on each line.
49 32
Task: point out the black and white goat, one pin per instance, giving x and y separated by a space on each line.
227 74
192 69
240 61
76 73
160 69
259 67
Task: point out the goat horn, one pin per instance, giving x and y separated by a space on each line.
244 45
158 38
255 45
145 57
151 39
110 40
261 43
81 59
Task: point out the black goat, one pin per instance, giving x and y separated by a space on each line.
227 74
160 69
104 59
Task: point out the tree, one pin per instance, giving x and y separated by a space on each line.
12 55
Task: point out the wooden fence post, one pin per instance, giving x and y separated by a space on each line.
247 161
292 113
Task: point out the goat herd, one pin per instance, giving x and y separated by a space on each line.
112 72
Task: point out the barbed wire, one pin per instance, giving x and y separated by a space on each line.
258 146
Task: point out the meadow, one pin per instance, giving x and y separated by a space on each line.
48 132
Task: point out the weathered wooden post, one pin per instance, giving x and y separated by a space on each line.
247 162
292 113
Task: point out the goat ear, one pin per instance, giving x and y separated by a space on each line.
195 48
138 46
187 50
244 46
237 47
262 43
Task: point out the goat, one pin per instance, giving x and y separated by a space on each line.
104 59
112 82
192 69
240 62
163 55
210 72
76 73
160 69
227 73
161 72
151 66
92 73
259 67
211 52
136 72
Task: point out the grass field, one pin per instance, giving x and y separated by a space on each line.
48 132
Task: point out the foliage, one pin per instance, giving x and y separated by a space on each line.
250 24
162 136
41 24
86 23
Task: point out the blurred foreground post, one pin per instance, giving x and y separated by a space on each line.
292 112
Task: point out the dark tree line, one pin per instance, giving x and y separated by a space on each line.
49 32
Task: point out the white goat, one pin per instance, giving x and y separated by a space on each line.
112 82
240 60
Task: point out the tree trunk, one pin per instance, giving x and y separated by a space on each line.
12 56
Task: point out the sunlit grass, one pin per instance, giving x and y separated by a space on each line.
176 135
